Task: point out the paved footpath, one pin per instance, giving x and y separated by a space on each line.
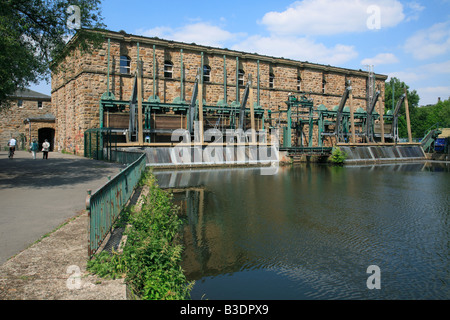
36 198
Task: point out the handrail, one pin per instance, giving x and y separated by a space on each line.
105 204
436 125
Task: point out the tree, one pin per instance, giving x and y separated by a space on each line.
398 87
33 33
432 116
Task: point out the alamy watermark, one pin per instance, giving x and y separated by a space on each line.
74 280
74 19
373 22
234 146
374 280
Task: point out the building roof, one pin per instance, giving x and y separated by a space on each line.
28 94
45 118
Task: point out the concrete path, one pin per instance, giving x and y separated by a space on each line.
37 196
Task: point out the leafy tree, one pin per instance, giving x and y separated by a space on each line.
33 33
422 118
431 115
398 87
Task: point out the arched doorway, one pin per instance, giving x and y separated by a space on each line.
46 133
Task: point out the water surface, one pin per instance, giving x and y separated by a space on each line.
311 232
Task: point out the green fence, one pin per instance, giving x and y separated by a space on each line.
100 143
105 204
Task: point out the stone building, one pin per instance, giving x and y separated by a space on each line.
169 72
28 116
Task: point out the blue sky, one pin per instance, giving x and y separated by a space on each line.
406 39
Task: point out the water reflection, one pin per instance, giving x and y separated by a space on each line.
310 232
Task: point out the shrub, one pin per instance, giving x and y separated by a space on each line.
338 156
150 261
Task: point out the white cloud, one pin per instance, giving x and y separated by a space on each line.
381 58
303 49
328 17
422 72
407 77
414 9
436 68
201 33
429 43
430 95
420 78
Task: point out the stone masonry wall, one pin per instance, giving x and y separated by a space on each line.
12 121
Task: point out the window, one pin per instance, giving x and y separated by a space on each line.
324 84
20 103
168 69
241 74
206 73
125 63
271 80
39 104
299 83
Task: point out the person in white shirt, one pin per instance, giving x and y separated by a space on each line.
12 147
45 148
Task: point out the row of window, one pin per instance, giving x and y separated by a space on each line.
168 72
20 104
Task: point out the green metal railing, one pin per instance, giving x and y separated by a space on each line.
105 204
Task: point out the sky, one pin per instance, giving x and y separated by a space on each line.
409 40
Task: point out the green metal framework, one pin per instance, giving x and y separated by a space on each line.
301 115
191 110
99 144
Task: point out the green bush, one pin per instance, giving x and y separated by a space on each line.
338 156
150 261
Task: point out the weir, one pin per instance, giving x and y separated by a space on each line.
197 156
383 153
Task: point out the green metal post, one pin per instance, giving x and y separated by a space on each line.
289 127
225 79
320 124
258 89
237 79
182 76
101 114
109 54
311 125
154 71
393 96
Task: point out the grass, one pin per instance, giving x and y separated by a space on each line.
150 261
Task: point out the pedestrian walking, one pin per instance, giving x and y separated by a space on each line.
45 149
34 148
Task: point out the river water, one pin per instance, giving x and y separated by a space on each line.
312 232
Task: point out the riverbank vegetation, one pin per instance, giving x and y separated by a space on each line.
150 260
